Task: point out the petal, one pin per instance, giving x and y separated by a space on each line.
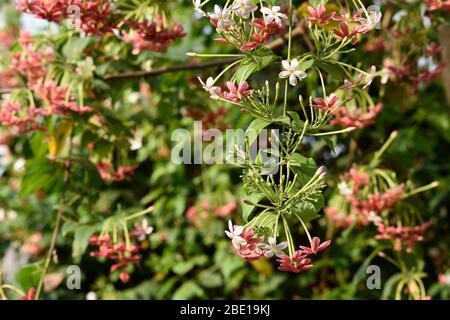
238 230
266 10
294 64
324 245
230 225
300 74
231 87
292 80
282 245
284 74
286 65
242 86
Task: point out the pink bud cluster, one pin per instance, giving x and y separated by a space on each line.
251 247
19 120
31 63
95 16
438 5
198 213
350 26
120 254
107 172
354 117
152 35
402 235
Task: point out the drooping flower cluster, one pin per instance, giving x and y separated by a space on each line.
252 247
197 213
93 17
152 35
31 62
239 25
351 26
354 117
402 235
121 254
109 174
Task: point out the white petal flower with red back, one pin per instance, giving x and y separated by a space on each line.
291 71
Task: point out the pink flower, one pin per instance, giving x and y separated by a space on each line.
355 118
225 210
344 32
326 105
124 277
408 235
108 174
297 263
31 295
51 10
316 246
250 250
152 35
236 94
319 15
142 230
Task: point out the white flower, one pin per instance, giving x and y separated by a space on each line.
273 14
243 8
234 233
198 7
292 72
209 86
373 217
370 77
91 295
372 21
221 17
344 189
273 248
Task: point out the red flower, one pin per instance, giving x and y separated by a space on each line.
326 105
236 94
316 246
297 263
249 249
319 15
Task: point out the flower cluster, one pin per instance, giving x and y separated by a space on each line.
205 209
251 247
152 35
350 25
93 16
210 119
31 62
108 174
239 27
402 235
355 117
121 254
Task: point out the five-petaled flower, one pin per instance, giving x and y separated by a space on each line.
142 230
236 94
209 86
273 14
234 233
272 248
296 263
221 18
326 104
243 8
316 246
291 71
320 15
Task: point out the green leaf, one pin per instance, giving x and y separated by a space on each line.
28 277
308 209
183 267
252 63
81 239
209 279
305 168
247 209
296 123
188 290
254 128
